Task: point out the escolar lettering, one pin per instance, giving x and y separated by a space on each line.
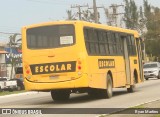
53 67
106 63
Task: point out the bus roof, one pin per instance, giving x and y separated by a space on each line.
85 23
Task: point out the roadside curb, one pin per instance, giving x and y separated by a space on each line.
19 94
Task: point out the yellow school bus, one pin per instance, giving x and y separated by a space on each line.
65 57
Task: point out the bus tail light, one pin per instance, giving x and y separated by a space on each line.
79 66
27 70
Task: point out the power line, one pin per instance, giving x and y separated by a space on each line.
9 33
47 2
115 13
79 9
96 14
4 36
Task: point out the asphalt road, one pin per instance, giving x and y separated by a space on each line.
145 92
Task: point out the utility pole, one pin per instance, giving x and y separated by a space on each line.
115 13
108 16
96 16
95 11
79 10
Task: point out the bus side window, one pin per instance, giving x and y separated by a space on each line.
110 43
86 40
101 37
91 42
106 38
133 45
96 42
129 44
114 43
119 44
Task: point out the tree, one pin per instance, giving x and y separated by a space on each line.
70 16
87 15
152 36
13 44
131 15
109 17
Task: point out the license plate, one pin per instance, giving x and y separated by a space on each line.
146 74
53 77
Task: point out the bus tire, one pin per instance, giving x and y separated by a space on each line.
59 95
1 89
108 92
158 75
131 89
109 89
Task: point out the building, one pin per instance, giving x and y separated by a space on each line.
3 65
7 55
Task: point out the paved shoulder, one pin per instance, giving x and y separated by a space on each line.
18 94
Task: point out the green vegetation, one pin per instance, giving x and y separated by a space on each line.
152 36
139 106
157 115
145 19
13 44
131 14
8 93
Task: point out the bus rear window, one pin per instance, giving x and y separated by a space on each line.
50 36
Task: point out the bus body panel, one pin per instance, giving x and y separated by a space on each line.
81 82
92 72
98 76
42 59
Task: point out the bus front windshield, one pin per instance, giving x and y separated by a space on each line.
54 36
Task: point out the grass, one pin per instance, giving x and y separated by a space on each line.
139 106
8 93
157 115
128 110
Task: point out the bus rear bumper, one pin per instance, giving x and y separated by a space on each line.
80 82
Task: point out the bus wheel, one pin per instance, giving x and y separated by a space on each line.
158 75
108 92
58 95
1 89
109 89
132 87
103 93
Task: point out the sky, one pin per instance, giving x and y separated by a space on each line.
17 13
